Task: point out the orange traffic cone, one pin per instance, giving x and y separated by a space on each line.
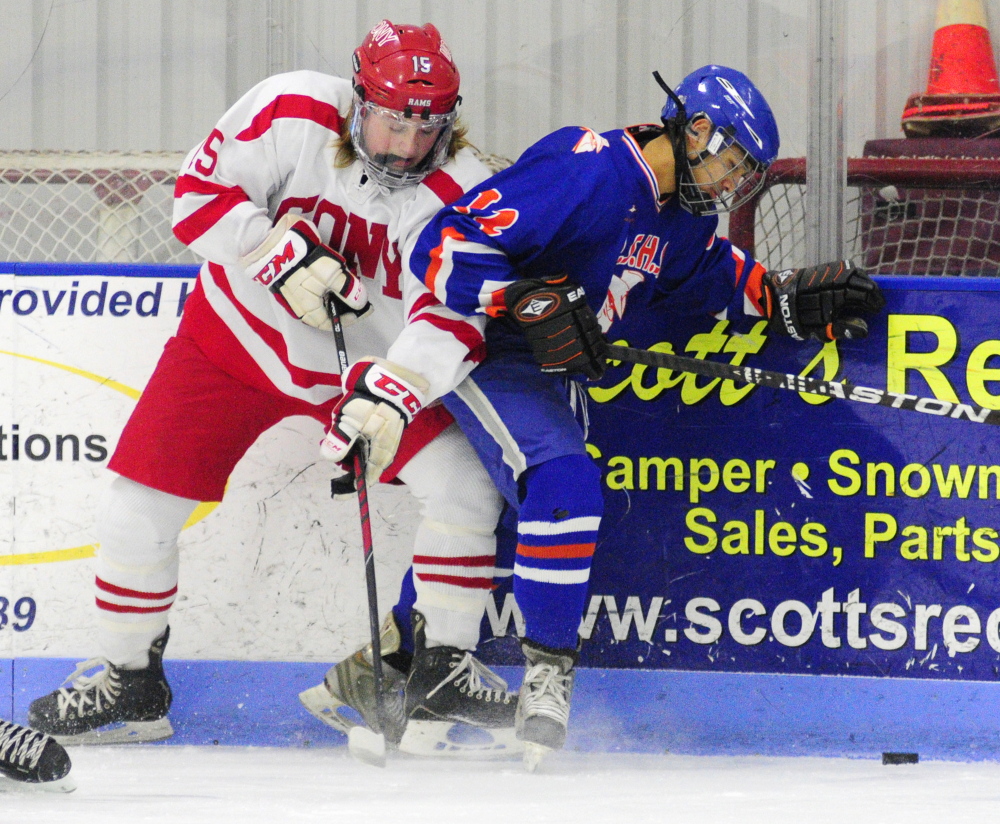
963 94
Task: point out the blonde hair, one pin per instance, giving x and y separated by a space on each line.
346 154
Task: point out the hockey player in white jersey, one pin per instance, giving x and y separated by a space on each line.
308 185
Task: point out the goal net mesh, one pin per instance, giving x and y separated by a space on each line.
89 207
903 216
96 206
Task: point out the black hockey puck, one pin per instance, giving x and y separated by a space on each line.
900 757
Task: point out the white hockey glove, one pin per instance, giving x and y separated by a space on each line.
380 399
300 269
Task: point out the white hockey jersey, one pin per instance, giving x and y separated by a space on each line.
273 153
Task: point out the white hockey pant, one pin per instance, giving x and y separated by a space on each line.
455 549
136 567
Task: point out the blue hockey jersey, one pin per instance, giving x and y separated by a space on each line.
587 206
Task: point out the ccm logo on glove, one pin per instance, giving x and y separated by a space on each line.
274 267
395 390
301 271
380 399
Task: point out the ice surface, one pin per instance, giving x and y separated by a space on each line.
191 785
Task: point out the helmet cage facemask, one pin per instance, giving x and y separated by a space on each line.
399 178
748 172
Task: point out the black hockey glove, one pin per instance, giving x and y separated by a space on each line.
821 302
346 485
559 325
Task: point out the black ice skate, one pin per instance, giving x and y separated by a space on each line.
346 698
456 705
112 706
543 708
33 759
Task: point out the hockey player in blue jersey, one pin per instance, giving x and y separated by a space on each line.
553 249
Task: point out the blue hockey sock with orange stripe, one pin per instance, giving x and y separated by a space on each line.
557 532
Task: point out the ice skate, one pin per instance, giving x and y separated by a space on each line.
112 706
346 698
543 708
455 705
32 760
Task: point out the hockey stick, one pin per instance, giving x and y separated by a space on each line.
364 744
799 383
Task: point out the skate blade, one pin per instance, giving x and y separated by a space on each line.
449 739
11 785
533 755
325 707
366 746
121 732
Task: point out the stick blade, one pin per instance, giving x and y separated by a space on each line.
366 746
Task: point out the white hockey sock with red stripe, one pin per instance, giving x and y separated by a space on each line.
455 547
453 577
136 568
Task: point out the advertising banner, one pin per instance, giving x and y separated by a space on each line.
747 529
273 573
758 530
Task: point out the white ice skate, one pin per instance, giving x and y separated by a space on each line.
543 708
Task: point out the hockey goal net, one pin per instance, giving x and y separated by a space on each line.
89 207
96 206
903 216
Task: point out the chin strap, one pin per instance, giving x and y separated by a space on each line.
675 129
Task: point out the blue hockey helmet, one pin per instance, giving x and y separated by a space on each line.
740 117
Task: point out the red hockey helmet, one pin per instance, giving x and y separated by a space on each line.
405 80
406 68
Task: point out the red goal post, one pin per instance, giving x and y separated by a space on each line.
903 215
